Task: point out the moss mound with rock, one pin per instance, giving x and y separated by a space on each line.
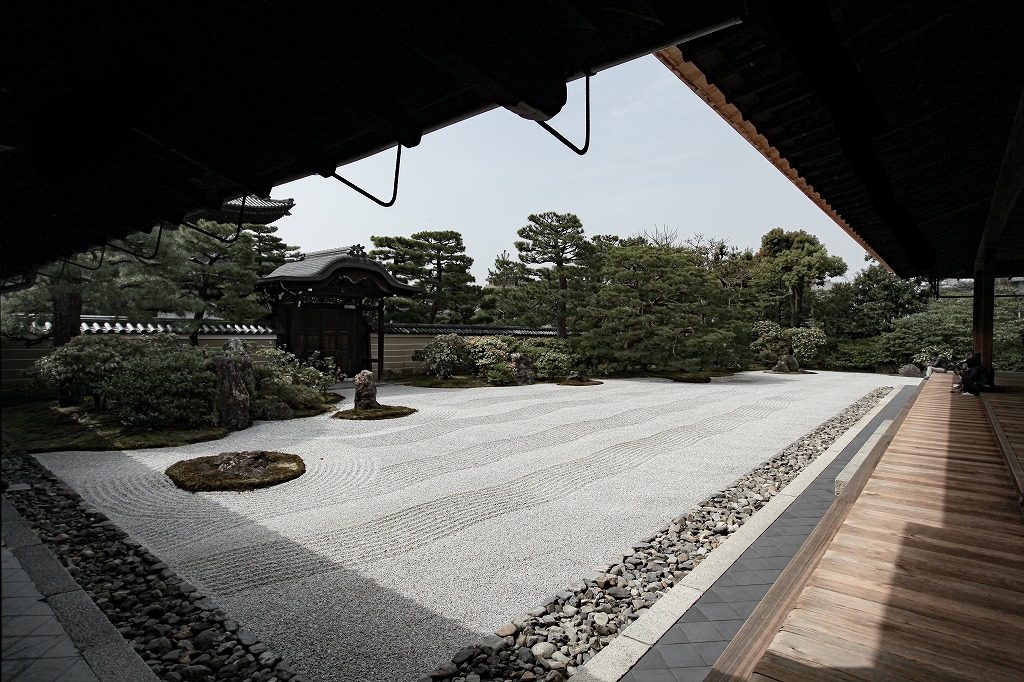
580 382
381 412
236 471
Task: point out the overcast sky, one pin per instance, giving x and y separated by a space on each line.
659 158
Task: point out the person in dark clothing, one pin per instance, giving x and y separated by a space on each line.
938 364
973 377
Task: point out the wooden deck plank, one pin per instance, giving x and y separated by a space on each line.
910 644
923 577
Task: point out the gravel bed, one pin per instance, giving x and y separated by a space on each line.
184 636
179 632
569 628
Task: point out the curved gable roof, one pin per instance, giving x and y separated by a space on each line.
317 267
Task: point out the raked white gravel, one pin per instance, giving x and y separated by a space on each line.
408 539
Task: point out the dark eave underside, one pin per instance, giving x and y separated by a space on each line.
896 115
909 156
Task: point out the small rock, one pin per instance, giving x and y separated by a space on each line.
543 649
507 630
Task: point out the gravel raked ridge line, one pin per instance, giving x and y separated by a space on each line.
568 629
180 633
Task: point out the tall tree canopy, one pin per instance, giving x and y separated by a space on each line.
869 305
658 309
436 262
271 252
788 265
514 296
103 281
553 243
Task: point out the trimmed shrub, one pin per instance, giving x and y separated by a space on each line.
772 340
173 387
553 358
862 354
300 396
276 367
83 365
444 355
488 352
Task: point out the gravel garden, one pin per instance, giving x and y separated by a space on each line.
496 533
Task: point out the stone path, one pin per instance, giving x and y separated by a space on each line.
689 648
408 539
36 648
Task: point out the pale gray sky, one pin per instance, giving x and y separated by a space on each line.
659 158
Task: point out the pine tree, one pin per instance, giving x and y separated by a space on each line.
271 252
553 242
435 262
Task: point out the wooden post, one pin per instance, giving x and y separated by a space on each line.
380 339
983 318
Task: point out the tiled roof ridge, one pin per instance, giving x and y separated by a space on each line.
466 329
329 252
117 326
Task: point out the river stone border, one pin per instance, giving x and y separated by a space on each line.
552 640
181 634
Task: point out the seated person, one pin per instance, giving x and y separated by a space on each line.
937 364
973 378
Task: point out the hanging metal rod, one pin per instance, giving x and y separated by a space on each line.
561 138
28 278
222 240
138 256
394 190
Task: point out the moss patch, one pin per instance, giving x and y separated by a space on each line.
44 427
450 382
382 412
579 382
201 474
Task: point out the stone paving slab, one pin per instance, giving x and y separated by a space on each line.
407 540
689 649
51 630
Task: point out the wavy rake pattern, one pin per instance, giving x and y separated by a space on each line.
429 522
156 506
408 473
334 480
435 429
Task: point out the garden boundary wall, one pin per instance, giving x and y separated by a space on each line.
401 343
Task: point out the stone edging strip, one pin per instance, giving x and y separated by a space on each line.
111 658
616 659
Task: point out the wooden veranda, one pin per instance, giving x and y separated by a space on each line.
917 571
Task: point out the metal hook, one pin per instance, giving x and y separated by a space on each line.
138 256
394 191
103 253
222 240
561 138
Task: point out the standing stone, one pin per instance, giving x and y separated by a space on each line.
910 371
234 374
366 391
523 367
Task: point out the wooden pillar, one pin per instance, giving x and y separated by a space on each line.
380 339
984 312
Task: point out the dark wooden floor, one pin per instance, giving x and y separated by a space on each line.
924 578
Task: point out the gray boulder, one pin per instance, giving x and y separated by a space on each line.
910 371
277 409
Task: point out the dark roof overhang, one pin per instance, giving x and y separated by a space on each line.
116 119
901 120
